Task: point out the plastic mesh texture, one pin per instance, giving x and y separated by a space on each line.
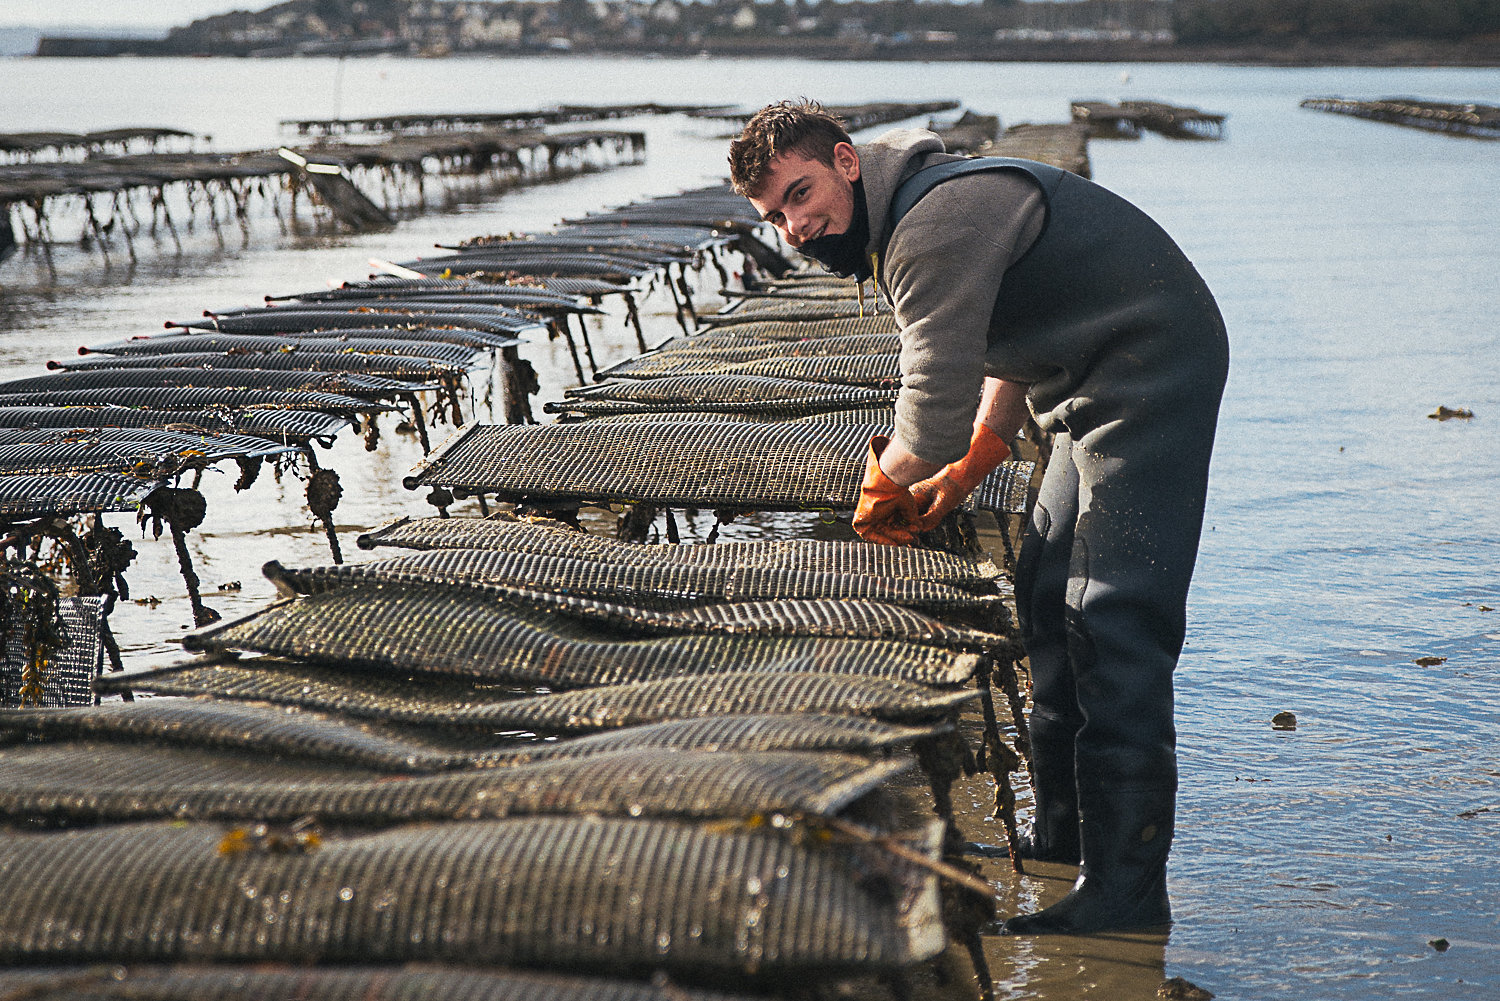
880 371
293 344
682 463
397 367
885 416
280 425
440 289
381 307
97 783
788 311
667 585
736 732
747 394
796 330
701 211
539 261
417 334
277 732
668 462
450 703
713 694
693 238
814 555
468 631
193 398
262 731
262 379
282 320
804 280
731 345
433 703
541 891
790 288
608 241
664 603
33 496
69 674
262 982
147 451
593 287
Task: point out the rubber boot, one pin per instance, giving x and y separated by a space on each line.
1126 834
1053 835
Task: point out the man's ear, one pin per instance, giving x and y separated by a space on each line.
847 161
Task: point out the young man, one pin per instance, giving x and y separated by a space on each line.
1022 288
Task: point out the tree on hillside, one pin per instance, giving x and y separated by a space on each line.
1209 21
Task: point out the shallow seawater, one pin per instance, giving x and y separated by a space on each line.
1347 535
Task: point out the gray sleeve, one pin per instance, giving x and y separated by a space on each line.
943 270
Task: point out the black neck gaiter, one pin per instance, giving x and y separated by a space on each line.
844 253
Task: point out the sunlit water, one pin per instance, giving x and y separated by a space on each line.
1347 533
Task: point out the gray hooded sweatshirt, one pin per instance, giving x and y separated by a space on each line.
942 272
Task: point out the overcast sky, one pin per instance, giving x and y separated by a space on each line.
116 13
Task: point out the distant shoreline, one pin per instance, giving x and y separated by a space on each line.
1410 53
1483 53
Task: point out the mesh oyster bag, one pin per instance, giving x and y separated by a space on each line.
189 398
83 782
260 731
280 425
40 495
884 415
576 893
445 703
669 585
678 462
67 675
467 631
265 982
732 692
848 618
747 394
762 326
881 371
757 310
550 538
123 450
734 347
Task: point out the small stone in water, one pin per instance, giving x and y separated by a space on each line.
1430 661
1284 721
1178 989
1440 944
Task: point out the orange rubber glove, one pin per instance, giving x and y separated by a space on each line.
944 491
887 512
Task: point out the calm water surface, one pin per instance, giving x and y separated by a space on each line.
1347 533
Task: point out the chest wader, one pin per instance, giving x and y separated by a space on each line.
1126 356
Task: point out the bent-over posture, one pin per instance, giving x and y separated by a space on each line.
1019 287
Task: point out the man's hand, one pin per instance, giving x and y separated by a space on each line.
939 494
887 512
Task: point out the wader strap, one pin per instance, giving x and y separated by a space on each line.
914 187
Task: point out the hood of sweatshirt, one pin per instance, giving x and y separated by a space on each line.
884 163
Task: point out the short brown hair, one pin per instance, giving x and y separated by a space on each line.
801 127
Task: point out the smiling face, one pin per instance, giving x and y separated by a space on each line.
805 198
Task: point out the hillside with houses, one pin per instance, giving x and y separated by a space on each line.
1082 30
